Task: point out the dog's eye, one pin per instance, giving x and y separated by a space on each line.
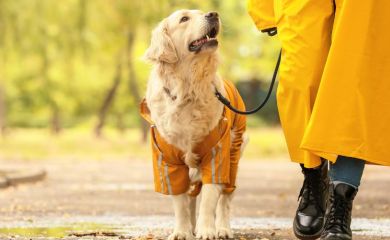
184 19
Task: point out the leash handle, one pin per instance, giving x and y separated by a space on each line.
227 103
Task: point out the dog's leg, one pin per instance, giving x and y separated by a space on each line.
183 226
193 212
222 222
206 221
195 176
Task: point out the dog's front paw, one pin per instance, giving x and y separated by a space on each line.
206 233
181 235
224 233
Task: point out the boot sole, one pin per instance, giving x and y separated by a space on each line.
336 238
306 237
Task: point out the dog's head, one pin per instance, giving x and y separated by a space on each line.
184 34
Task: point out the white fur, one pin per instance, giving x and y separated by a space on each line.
222 221
183 226
193 212
186 115
205 227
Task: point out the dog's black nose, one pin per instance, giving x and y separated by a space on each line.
212 16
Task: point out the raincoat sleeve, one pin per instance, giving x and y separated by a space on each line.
238 129
262 13
239 123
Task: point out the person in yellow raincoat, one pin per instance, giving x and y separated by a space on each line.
332 99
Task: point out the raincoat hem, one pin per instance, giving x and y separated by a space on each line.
318 151
311 165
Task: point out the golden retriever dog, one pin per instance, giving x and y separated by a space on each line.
181 101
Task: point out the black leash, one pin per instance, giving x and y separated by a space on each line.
226 102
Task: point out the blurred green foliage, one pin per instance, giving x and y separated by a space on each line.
59 60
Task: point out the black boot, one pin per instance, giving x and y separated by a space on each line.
309 218
338 220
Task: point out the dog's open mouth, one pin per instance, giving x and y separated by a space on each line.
208 40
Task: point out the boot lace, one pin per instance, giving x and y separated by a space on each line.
338 215
311 191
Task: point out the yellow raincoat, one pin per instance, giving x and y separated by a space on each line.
218 154
334 77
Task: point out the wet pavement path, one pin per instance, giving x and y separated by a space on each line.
114 199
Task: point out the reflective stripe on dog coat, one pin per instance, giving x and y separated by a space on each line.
218 154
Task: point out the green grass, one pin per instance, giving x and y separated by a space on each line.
81 144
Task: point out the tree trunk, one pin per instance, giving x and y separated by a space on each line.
54 120
55 126
120 123
108 100
133 85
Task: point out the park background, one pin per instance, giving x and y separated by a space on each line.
71 76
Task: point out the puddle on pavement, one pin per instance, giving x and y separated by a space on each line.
132 227
60 232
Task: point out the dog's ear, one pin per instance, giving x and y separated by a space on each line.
161 47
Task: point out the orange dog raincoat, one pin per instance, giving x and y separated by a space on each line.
218 154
